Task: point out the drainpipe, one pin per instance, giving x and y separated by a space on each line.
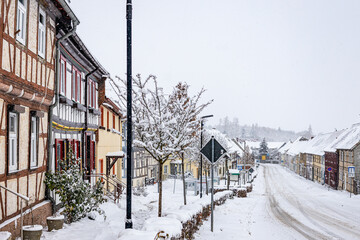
75 22
86 121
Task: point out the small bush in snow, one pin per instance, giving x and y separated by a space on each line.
78 197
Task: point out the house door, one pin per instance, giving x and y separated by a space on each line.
59 153
90 157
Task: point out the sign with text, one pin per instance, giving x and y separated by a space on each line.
351 172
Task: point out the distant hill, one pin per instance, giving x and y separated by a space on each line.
256 133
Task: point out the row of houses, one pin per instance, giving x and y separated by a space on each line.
330 158
52 100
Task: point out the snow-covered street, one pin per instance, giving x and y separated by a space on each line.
284 205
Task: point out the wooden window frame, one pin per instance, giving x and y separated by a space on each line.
34 139
61 143
63 71
42 33
76 85
13 136
21 29
73 84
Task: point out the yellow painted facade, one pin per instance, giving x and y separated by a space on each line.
109 140
317 168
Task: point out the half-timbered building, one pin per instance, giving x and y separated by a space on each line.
76 114
27 73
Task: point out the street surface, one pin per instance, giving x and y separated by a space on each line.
284 205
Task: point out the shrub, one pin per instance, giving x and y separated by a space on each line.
77 196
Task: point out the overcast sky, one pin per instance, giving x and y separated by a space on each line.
278 63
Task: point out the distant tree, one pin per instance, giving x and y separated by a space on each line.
226 125
264 150
243 133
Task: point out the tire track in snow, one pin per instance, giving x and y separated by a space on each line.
286 218
314 213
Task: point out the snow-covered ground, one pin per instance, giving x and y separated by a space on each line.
284 205
145 221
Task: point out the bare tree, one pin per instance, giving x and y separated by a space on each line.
185 110
162 123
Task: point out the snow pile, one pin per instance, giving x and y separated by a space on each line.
132 234
5 235
146 224
169 225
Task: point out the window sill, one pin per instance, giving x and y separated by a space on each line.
12 172
34 168
42 56
20 42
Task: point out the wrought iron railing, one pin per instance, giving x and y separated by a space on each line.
22 197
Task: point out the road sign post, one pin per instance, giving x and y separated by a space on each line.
329 171
212 184
213 151
351 175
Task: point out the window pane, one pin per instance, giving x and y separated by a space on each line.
12 152
74 85
12 124
22 32
41 19
78 86
62 77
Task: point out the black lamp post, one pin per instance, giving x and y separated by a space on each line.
128 222
201 143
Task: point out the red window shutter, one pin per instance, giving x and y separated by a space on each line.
101 165
73 145
93 154
114 170
102 116
113 121
56 153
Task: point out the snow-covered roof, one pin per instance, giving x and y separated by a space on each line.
347 139
234 171
285 147
176 161
116 154
233 147
298 146
318 144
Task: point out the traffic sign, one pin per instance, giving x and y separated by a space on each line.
239 167
209 147
251 170
329 169
351 172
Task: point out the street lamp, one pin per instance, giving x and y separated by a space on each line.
201 143
128 223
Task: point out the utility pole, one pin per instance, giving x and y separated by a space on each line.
128 222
